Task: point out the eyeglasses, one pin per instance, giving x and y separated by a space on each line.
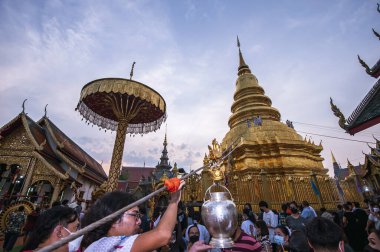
136 215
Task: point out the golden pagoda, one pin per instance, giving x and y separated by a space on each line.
268 160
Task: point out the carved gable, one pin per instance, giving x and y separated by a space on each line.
17 140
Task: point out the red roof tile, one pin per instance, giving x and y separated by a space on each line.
134 174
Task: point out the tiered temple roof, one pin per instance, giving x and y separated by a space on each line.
367 113
135 174
56 150
372 160
342 173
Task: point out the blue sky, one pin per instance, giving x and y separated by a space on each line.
302 52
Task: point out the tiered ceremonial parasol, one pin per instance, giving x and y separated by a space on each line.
127 106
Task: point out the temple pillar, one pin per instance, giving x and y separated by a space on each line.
29 175
266 193
3 180
57 189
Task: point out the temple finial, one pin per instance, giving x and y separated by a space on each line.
166 131
364 64
376 33
243 67
45 110
23 106
339 114
375 138
378 7
131 74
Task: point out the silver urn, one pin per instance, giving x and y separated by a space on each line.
219 215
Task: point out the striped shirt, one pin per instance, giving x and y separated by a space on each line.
245 243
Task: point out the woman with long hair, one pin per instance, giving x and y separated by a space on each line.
51 226
262 235
248 224
122 233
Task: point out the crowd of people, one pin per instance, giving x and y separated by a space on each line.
295 228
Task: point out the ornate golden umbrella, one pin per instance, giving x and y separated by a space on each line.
127 106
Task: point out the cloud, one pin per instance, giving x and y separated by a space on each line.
187 52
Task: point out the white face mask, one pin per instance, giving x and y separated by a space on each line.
74 244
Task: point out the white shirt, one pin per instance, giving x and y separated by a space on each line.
246 226
271 219
112 243
372 217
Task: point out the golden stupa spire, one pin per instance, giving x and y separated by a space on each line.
249 98
243 67
333 158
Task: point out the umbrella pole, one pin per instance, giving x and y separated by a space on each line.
117 156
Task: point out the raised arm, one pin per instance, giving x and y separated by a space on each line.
162 234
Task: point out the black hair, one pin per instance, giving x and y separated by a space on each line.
263 204
339 207
323 234
56 203
298 242
142 210
263 227
357 204
346 207
46 222
284 229
249 205
106 205
249 214
156 213
65 202
284 207
181 205
336 218
198 217
305 203
323 209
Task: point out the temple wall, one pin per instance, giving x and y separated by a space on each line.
275 189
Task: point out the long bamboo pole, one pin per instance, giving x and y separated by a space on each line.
109 218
